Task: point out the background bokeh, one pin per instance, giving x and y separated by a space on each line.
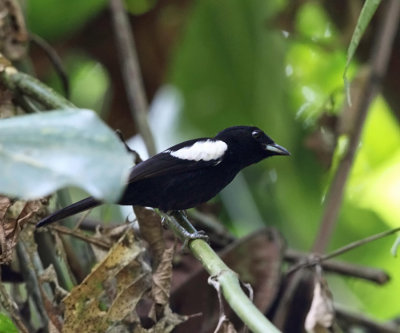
275 64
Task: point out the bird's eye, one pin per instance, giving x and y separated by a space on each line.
256 134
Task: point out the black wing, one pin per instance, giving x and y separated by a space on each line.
163 163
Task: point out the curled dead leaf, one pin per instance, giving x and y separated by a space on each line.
321 314
225 326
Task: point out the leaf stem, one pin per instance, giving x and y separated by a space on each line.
231 289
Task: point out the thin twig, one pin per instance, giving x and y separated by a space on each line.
82 218
55 60
360 320
131 72
316 259
380 55
81 235
358 243
339 267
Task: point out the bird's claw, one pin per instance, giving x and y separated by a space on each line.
163 221
189 236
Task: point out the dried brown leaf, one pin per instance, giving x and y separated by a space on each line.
93 304
162 278
5 203
225 326
151 231
31 208
321 314
109 236
127 299
166 323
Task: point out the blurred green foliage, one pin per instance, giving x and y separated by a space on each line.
89 82
232 69
139 6
234 66
52 19
6 325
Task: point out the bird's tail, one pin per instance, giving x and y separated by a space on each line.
73 209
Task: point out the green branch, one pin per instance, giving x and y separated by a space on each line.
228 279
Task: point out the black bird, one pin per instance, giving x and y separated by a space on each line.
189 173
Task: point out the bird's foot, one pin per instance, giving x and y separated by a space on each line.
189 236
180 224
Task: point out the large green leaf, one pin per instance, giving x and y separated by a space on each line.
43 152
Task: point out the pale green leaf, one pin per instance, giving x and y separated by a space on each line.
41 153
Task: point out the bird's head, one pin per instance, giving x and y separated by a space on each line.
250 144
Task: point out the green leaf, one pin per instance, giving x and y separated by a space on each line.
366 14
6 324
41 153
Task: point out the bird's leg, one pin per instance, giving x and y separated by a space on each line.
178 221
190 231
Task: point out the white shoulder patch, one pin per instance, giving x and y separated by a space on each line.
201 151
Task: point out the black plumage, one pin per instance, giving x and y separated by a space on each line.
188 173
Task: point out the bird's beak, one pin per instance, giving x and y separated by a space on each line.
276 149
